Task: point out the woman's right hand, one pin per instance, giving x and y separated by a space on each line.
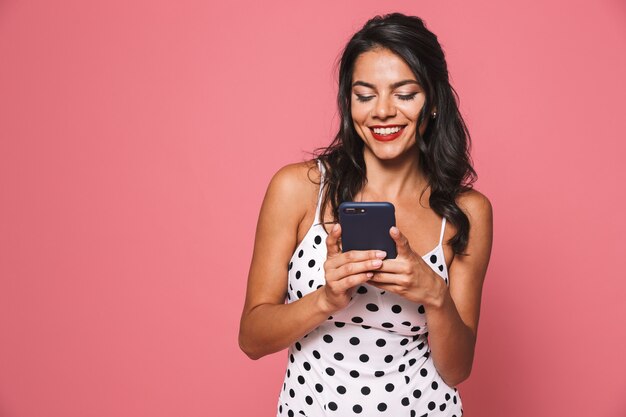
344 271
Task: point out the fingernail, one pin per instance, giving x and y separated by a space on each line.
335 227
377 262
394 230
381 254
369 274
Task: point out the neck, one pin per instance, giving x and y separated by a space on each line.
391 180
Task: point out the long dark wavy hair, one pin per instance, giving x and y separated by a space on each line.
443 150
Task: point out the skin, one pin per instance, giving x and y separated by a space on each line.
385 92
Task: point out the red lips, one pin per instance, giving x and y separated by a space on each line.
386 138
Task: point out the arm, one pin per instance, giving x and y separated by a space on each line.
451 313
453 317
267 323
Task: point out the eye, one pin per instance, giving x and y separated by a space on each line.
362 98
406 97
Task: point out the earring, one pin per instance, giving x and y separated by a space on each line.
434 115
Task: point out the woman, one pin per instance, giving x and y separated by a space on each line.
369 335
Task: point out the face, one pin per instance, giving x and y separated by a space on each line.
386 102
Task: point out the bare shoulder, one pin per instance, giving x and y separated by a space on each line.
296 181
292 191
476 205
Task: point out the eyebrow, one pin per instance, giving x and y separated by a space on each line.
393 86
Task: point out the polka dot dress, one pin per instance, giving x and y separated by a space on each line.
370 359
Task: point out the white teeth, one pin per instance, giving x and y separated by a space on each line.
386 130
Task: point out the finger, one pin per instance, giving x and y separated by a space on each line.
353 268
352 281
402 243
395 266
332 241
352 256
384 278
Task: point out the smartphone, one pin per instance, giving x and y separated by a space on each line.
365 226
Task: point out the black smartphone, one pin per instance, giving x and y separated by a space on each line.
365 226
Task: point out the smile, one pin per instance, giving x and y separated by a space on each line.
386 133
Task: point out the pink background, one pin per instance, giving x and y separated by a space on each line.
137 140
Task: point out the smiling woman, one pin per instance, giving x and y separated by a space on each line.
368 335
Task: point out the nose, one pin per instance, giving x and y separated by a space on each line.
384 107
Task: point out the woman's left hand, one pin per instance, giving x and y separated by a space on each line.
408 275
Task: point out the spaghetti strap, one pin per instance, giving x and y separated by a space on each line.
320 165
443 228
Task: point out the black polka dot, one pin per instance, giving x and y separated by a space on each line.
441 267
396 309
299 294
366 327
421 309
332 406
432 405
387 325
454 399
401 368
417 393
406 323
361 290
415 329
357 320
301 380
309 400
341 389
319 387
447 396
364 358
423 372
311 263
442 406
330 371
382 407
292 393
389 387
338 356
381 342
290 266
311 282
316 354
357 409
405 401
354 341
366 390
404 341
412 361
372 307
378 374
388 359
433 259
298 274
421 346
291 358
290 413
413 414
288 373
328 338
307 366
434 385
339 324
300 253
280 408
317 240
407 379
354 374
